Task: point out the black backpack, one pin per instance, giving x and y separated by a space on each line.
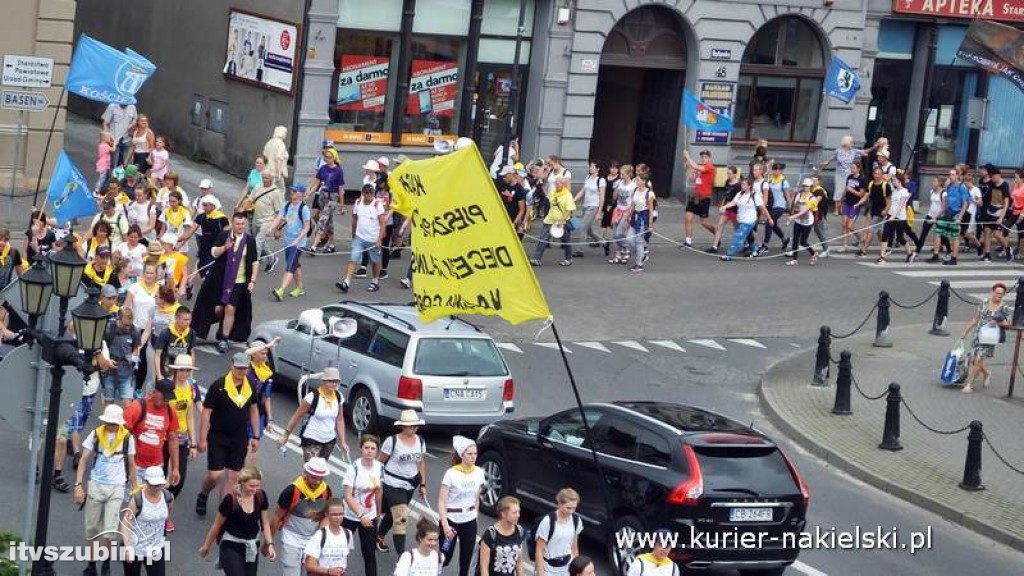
531 536
312 408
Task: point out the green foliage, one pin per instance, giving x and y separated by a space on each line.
8 568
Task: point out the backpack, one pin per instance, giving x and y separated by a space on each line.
323 537
168 498
257 501
312 408
531 536
414 480
302 221
474 562
440 559
296 494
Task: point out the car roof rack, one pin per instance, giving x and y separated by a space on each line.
375 306
455 318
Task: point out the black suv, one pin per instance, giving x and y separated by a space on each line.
665 466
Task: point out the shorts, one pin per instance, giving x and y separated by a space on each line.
730 216
103 503
238 295
291 259
877 219
221 454
851 211
116 387
314 449
701 207
76 422
360 246
966 222
263 426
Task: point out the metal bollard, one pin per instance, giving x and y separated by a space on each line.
823 357
843 382
941 311
972 464
891 433
1018 304
882 324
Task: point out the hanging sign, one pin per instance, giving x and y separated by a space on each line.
362 83
718 96
433 87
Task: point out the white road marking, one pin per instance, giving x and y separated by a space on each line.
552 345
972 284
509 346
668 344
747 342
937 267
794 344
805 569
631 344
947 273
593 346
709 343
207 350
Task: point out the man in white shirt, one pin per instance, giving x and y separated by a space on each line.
368 229
119 120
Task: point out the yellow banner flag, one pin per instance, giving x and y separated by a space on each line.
467 258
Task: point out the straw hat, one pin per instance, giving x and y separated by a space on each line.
409 418
182 362
316 467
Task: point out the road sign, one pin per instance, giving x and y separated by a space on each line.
27 71
30 101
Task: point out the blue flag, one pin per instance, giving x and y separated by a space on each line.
841 82
104 74
69 193
700 116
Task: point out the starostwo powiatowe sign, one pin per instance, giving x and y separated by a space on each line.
1005 10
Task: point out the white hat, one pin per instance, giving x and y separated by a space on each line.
461 444
507 170
154 476
384 162
884 154
557 231
112 414
372 165
169 238
317 467
182 362
409 418
807 182
331 373
205 183
209 199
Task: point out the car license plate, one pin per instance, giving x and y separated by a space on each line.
463 394
750 514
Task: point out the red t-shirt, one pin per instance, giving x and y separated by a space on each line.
705 181
151 434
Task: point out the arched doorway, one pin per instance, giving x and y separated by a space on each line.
639 91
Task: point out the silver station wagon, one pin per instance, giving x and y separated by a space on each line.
450 372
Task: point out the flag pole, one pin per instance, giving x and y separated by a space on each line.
49 138
610 519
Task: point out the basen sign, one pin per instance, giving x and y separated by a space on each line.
1006 10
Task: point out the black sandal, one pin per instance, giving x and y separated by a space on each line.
373 287
61 485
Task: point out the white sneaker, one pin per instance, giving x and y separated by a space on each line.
823 254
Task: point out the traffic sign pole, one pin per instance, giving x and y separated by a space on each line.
17 162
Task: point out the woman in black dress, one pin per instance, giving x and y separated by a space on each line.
608 208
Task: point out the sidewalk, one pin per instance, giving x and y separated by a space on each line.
930 466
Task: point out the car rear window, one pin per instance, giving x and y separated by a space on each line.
458 357
762 470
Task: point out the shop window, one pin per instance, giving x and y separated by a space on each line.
946 137
432 106
501 18
381 15
361 89
1000 140
449 17
780 82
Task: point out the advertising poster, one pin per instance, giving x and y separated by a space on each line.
362 83
432 88
1005 10
718 96
261 51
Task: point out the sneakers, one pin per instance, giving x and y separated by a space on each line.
343 285
950 262
534 262
270 265
577 254
823 254
565 263
382 545
986 258
785 243
725 258
330 249
406 283
636 268
711 250
384 274
222 346
934 259
296 292
278 293
168 526
361 273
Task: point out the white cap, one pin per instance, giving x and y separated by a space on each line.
808 182
205 183
507 170
169 238
209 199
884 154
112 414
372 165
383 161
154 476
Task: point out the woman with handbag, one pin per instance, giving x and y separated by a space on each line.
988 323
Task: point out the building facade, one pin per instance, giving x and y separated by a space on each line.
34 28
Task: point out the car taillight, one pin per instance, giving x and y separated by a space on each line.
508 391
688 493
805 491
410 388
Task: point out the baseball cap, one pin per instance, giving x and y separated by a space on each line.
327 144
154 476
103 251
372 165
240 360
205 183
705 152
169 238
108 291
131 170
400 159
165 387
299 188
109 203
507 170
807 182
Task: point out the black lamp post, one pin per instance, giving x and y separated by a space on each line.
37 286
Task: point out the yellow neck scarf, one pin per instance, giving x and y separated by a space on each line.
150 289
262 371
4 254
307 492
465 469
777 179
106 446
91 273
215 214
176 217
170 310
238 395
328 398
181 338
654 559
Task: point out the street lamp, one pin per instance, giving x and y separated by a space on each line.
37 286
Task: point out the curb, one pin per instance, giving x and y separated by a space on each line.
854 469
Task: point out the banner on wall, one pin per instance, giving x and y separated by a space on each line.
433 87
261 51
712 108
362 83
995 47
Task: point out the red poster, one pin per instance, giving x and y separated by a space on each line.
432 88
362 83
1006 10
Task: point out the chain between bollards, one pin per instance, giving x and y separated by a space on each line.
941 318
822 358
843 381
972 463
882 322
891 431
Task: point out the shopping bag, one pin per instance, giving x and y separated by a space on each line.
949 367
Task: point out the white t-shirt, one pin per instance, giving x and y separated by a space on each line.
747 207
639 200
322 425
178 230
560 543
898 203
403 461
136 257
807 219
140 214
592 191
972 206
364 482
935 204
623 192
367 219
143 305
412 563
334 552
108 470
550 186
463 492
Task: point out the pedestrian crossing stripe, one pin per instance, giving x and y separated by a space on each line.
747 342
947 273
633 345
974 284
668 344
709 343
510 347
593 346
552 346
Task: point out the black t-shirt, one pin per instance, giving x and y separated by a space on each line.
237 521
985 185
511 196
505 550
879 193
731 190
227 419
855 183
45 244
609 195
171 346
210 228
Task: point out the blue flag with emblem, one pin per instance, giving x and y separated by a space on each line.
841 82
700 116
69 193
105 74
